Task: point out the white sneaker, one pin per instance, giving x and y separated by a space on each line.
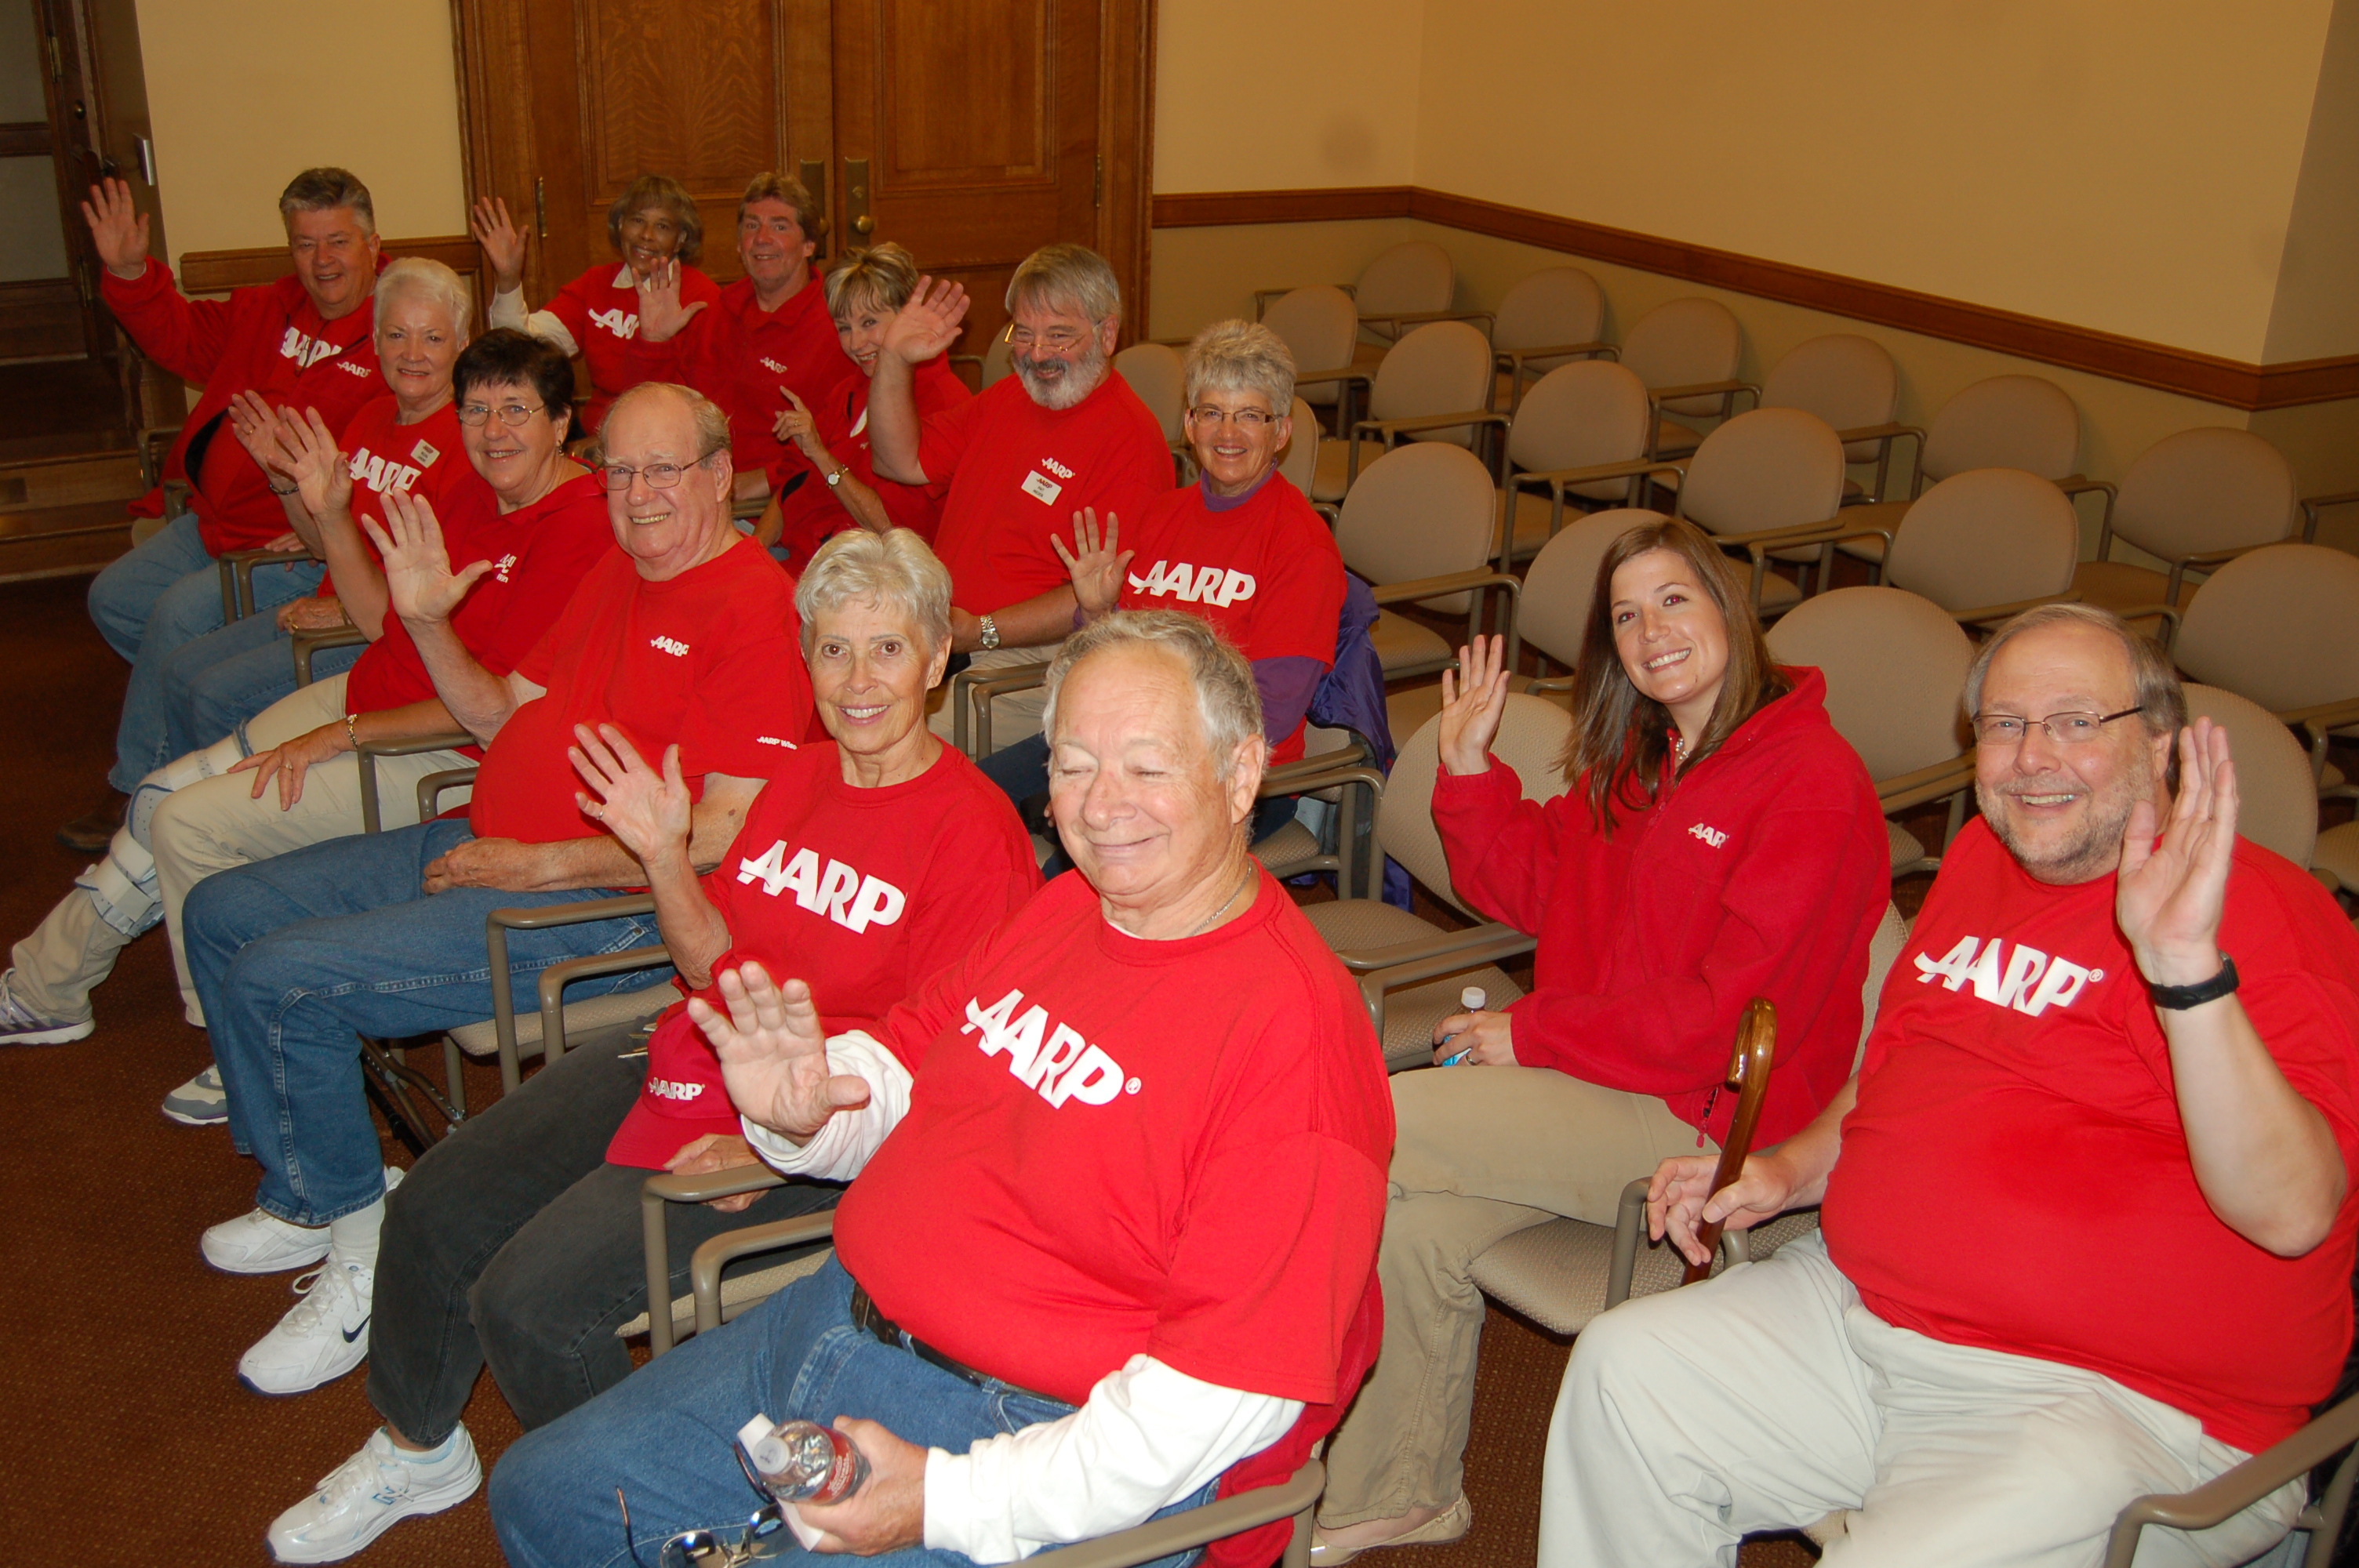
371 1492
259 1243
322 1336
20 1025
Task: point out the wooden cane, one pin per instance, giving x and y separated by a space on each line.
1748 1074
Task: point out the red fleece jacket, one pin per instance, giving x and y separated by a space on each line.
267 339
1763 872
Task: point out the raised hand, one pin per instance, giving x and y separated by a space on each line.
647 810
117 228
930 323
257 426
661 316
502 243
773 1053
1473 696
1098 571
2169 893
319 468
1680 1200
795 424
418 576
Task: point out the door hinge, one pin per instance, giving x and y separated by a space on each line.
1097 182
57 60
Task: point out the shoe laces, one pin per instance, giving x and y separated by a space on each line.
326 1291
369 1471
13 1013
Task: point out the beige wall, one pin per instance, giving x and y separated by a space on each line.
2317 309
244 95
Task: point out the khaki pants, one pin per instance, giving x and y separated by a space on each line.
1770 1396
212 826
1013 717
1480 1153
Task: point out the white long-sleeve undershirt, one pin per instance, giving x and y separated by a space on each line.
1148 1435
507 309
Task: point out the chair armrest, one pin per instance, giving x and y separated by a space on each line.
1629 1231
704 1268
1516 359
1879 433
237 577
310 643
496 927
1452 582
657 1194
1558 479
2169 614
372 818
1168 1537
2237 1489
557 976
1418 318
2078 485
2311 505
972 691
2323 716
1903 790
1423 958
2001 612
1321 377
1662 394
1388 429
430 788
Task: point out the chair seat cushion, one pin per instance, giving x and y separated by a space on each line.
1403 646
2117 585
1907 854
1353 925
1332 477
1556 1274
1673 440
1290 851
1884 515
1778 594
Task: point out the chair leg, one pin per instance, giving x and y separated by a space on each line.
1297 1545
453 1075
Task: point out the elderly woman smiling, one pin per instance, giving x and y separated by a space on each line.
1240 548
863 863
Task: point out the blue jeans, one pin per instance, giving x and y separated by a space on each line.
664 1434
213 686
148 604
296 955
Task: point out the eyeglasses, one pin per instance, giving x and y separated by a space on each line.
1243 418
2064 729
511 414
1056 340
659 476
763 1538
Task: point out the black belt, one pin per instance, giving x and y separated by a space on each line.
868 1320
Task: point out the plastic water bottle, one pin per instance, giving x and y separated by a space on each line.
1473 999
803 1462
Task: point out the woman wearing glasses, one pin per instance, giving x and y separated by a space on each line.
1719 841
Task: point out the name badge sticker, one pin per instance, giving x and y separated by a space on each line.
1042 487
423 454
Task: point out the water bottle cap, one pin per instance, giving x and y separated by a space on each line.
753 1432
1473 999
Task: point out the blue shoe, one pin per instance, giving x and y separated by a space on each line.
200 1102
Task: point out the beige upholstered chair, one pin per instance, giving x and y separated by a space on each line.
1553 612
1685 353
1895 666
1410 283
1765 478
2193 499
1160 377
1417 528
1549 318
1319 327
990 367
1563 1273
1429 388
2006 422
2277 801
1409 972
1300 461
1852 384
1581 432
1986 544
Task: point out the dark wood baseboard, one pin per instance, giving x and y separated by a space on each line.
2231 383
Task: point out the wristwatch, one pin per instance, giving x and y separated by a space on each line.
837 477
2179 999
990 638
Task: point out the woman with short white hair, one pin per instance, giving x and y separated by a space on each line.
866 862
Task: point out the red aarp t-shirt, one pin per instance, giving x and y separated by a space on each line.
600 308
739 355
1266 573
862 892
2017 1177
540 554
708 660
426 460
1117 1147
1017 472
810 513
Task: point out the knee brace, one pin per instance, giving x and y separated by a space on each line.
123 886
179 773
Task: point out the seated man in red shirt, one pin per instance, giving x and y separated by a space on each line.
2088 1231
1063 434
767 339
302 342
687 636
1118 1175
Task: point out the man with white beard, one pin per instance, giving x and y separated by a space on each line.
1061 433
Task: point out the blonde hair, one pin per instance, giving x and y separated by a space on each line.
1226 697
1068 273
895 569
881 277
430 280
1241 356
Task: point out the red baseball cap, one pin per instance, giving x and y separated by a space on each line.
683 1099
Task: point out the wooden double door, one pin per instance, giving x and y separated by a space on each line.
970 130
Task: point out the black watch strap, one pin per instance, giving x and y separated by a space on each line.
2178 999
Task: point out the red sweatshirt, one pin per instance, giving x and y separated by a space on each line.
268 339
1762 872
600 308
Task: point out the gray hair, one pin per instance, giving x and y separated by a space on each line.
881 277
892 570
1068 275
1241 356
429 280
1225 695
2161 702
712 425
324 189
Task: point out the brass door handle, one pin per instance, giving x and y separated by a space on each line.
863 225
855 195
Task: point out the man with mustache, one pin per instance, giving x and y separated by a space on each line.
2088 1228
1061 433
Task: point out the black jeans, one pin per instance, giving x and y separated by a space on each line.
514 1242
1022 770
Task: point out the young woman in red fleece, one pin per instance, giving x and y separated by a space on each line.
1720 841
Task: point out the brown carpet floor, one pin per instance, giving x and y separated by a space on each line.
125 1436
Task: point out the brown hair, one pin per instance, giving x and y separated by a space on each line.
771 186
666 194
1619 737
325 188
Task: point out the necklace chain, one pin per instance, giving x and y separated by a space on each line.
1225 907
